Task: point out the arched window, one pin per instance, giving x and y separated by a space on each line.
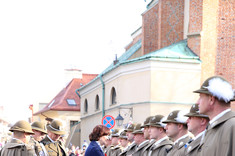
113 96
97 102
85 106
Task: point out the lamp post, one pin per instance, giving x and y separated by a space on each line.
119 119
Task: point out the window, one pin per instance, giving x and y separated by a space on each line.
113 96
85 106
97 102
71 102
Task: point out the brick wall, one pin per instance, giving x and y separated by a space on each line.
163 25
225 58
150 29
209 38
195 25
172 22
217 41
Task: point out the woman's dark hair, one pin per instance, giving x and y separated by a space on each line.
99 131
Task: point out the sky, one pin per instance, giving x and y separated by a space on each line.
39 39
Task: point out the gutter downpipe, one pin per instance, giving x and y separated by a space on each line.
103 91
78 93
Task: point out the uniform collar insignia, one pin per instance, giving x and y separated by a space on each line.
181 143
214 123
189 148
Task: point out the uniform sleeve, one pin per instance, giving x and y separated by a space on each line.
231 139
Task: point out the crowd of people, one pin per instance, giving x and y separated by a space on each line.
207 129
35 139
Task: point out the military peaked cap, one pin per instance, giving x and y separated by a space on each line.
115 133
218 87
22 126
123 135
130 128
138 129
176 117
39 126
56 127
156 121
194 111
146 122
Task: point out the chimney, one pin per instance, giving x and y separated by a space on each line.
116 60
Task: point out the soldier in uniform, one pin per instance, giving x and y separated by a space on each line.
140 140
176 129
51 142
18 145
123 141
146 126
216 94
157 131
196 125
106 145
39 130
115 149
130 137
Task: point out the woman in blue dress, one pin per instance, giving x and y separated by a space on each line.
96 137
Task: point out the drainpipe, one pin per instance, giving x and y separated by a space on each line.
78 93
103 89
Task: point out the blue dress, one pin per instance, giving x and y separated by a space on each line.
94 150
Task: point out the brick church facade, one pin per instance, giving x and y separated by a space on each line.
208 27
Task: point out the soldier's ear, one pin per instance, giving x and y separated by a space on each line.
180 126
204 121
212 100
161 130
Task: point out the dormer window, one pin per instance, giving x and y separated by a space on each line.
71 102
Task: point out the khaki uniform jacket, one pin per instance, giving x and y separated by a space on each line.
114 151
161 148
124 150
109 149
192 148
130 150
16 148
141 148
54 149
179 148
219 138
37 147
147 148
105 149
